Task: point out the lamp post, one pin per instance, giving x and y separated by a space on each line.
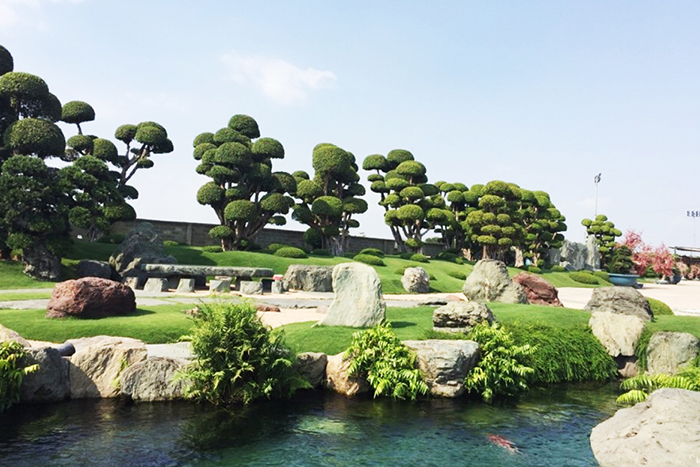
596 180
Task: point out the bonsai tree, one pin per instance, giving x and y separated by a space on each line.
243 192
328 202
542 225
460 201
604 232
621 260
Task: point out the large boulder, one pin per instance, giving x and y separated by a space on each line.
309 278
152 380
90 297
94 268
664 430
573 255
416 280
142 245
338 380
96 370
312 366
357 301
490 282
620 300
51 383
7 334
669 352
537 289
461 316
619 334
41 264
592 254
445 364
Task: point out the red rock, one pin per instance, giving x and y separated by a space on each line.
90 297
266 307
538 290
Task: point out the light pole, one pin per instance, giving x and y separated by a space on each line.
596 180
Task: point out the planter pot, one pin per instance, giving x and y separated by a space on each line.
624 280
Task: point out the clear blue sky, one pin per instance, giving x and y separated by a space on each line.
545 94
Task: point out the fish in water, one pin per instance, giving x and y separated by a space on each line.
504 443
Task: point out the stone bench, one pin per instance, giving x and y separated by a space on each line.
175 272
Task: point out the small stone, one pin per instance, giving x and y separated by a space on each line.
152 380
267 308
416 280
489 282
133 282
461 316
277 287
309 278
156 284
621 300
251 288
93 268
220 286
185 286
670 352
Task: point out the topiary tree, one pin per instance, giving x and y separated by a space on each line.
328 202
542 225
412 205
244 192
604 232
460 200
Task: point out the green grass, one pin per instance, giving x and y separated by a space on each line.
28 295
11 277
152 324
690 324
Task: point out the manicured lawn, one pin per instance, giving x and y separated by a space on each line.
689 324
28 295
11 277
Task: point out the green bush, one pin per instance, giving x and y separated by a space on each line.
457 275
558 268
659 308
420 258
369 259
372 251
273 247
534 270
389 366
602 275
170 243
290 252
639 387
406 255
451 257
237 358
500 372
12 372
212 249
564 354
583 277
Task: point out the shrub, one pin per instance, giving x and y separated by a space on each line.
406 255
372 251
451 257
639 387
290 252
420 258
212 249
237 358
12 372
273 247
500 372
369 259
602 275
659 308
321 252
457 275
170 243
389 366
534 270
641 351
558 268
583 277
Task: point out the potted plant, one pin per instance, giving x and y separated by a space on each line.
621 267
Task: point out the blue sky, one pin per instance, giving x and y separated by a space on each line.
545 94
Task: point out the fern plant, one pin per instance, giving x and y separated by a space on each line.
500 372
238 359
12 372
389 366
639 387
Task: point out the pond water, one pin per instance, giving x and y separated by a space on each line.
548 428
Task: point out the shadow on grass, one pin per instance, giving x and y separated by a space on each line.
402 324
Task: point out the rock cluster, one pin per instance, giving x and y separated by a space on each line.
142 245
622 300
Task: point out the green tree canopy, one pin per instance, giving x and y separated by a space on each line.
604 232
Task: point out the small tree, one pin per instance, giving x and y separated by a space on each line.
244 192
460 201
604 232
329 201
542 225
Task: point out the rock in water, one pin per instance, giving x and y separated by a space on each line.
537 289
664 430
416 280
312 366
309 278
152 379
338 379
619 334
142 245
490 282
669 352
51 383
90 297
445 364
358 298
621 300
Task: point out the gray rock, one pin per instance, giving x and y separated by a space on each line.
142 245
445 364
277 287
312 366
619 334
41 264
490 282
156 284
621 300
573 253
220 285
152 380
669 352
134 283
251 288
461 316
309 278
662 431
185 286
416 280
7 334
357 301
94 268
51 383
592 255
338 380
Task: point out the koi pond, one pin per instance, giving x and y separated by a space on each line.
550 427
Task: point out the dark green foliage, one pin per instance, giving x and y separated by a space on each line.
291 252
457 275
451 257
421 258
534 270
369 259
6 61
564 354
212 249
605 233
583 277
620 261
602 275
373 252
34 136
659 308
321 252
237 358
389 366
77 112
12 371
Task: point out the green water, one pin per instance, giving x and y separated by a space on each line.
548 428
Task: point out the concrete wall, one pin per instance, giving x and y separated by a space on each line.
196 234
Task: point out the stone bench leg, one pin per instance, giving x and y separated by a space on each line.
156 284
185 286
220 285
251 288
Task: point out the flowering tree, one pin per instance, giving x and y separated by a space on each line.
641 252
663 261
